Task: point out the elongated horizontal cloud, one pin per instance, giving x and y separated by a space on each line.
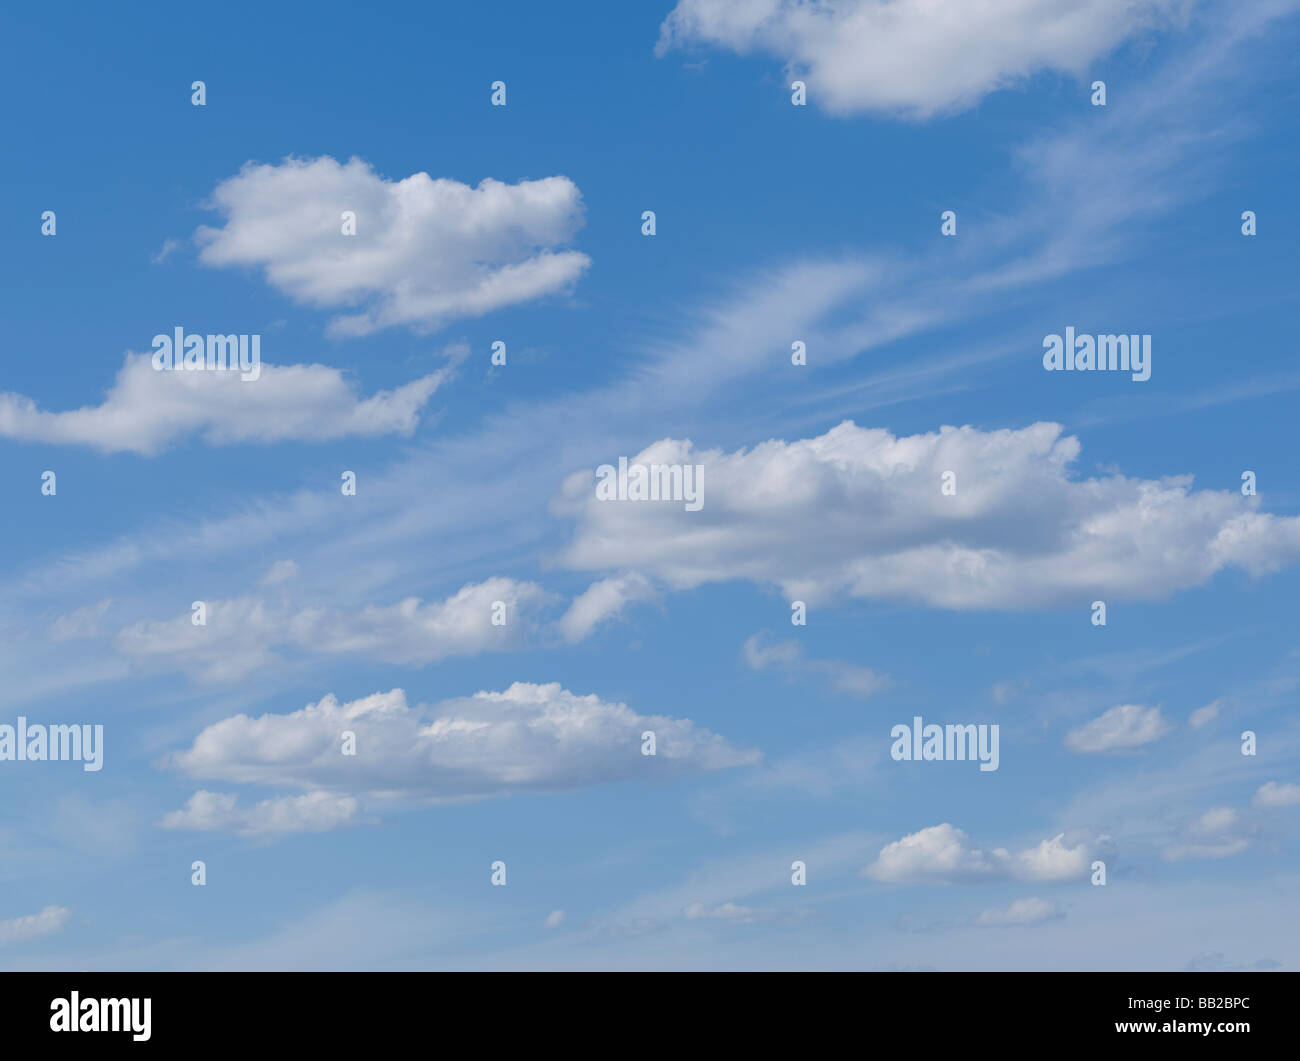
945 854
1021 912
315 812
245 633
424 252
860 512
147 410
527 738
1275 794
50 919
1120 729
915 57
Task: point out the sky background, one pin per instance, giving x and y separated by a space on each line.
475 483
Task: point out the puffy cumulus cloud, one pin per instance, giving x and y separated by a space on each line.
761 651
315 812
1120 729
529 737
1021 912
1275 794
914 57
50 919
425 251
147 410
858 511
603 601
945 854
244 634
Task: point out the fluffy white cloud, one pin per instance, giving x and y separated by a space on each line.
859 511
1119 729
1272 794
1020 912
529 737
943 853
314 812
244 634
51 919
602 601
425 251
146 410
554 919
761 652
916 57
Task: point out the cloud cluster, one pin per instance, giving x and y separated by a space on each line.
527 738
859 512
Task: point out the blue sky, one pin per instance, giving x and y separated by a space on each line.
475 483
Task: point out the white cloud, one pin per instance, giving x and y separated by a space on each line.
740 915
602 601
914 57
858 511
425 251
554 919
944 854
529 737
1020 912
1119 729
16 929
760 652
1209 836
280 571
244 634
314 812
147 410
1272 794
1202 715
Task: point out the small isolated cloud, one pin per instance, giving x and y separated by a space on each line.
315 812
945 854
554 919
147 410
1202 715
739 915
1274 794
1020 912
914 58
280 571
602 601
761 652
16 929
1119 729
165 251
426 250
